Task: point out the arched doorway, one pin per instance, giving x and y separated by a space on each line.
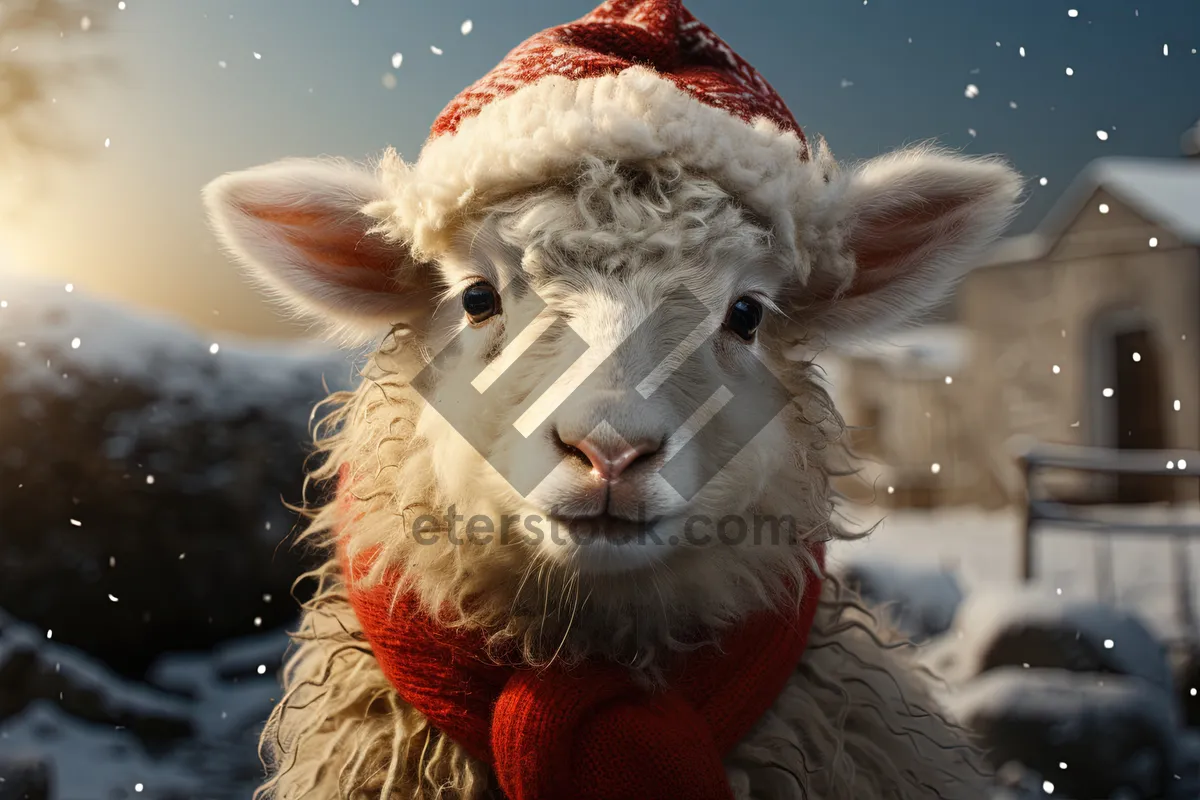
1126 391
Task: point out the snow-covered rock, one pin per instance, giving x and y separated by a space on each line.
143 473
62 749
1089 735
1038 629
33 670
920 602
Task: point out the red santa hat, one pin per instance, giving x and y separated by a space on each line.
634 80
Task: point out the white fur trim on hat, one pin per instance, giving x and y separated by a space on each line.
542 131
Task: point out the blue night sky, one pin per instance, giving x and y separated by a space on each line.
126 222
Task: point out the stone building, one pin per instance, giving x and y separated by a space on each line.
1085 331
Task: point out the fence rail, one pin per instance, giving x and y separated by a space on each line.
1039 457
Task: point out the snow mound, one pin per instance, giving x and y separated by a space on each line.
1036 628
92 735
919 601
142 469
1089 735
48 333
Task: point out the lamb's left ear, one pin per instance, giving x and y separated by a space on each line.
907 226
298 227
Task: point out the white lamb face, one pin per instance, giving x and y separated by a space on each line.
630 378
608 374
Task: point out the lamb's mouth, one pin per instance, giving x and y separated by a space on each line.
606 528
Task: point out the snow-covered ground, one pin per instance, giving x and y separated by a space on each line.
982 548
190 731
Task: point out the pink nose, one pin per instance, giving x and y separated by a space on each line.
609 460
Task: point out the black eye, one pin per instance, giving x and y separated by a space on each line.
744 316
481 302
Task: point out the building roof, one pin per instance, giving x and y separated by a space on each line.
1165 191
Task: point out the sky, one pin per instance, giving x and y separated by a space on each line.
191 100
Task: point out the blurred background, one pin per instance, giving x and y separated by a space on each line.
1032 454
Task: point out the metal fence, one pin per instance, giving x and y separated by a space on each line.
1084 517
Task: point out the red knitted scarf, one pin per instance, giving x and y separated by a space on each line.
587 732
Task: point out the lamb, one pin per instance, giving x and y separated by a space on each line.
591 309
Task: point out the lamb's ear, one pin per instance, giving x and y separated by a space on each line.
909 224
298 228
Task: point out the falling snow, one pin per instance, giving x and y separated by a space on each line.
397 60
972 91
1102 135
437 51
466 27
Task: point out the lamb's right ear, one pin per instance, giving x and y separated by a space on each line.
298 228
